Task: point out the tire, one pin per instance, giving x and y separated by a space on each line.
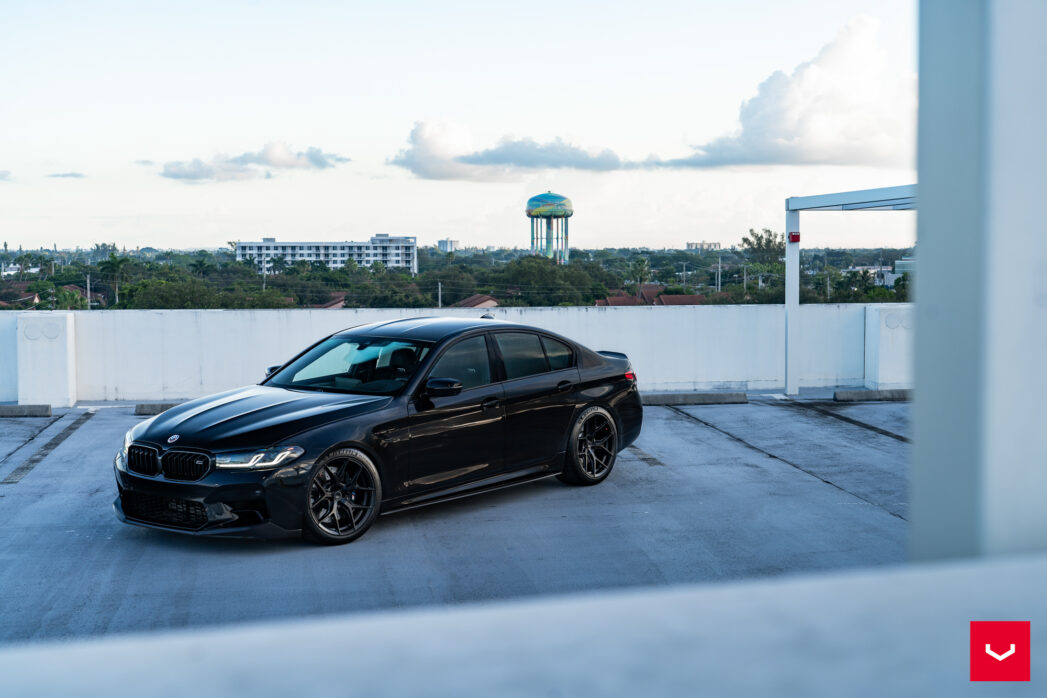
342 498
592 448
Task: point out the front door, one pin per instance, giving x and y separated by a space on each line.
457 439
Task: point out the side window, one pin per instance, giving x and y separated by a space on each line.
467 362
558 354
522 353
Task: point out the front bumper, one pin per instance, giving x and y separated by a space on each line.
235 504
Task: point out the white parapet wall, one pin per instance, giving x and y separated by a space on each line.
182 354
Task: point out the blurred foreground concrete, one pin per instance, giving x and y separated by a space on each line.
888 632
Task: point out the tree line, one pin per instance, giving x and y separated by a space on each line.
149 278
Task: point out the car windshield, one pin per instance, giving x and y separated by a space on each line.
369 365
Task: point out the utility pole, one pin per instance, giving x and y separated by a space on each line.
828 292
439 294
745 278
88 290
719 266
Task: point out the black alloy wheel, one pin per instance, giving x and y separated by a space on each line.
344 494
593 448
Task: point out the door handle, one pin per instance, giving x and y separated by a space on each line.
564 386
489 403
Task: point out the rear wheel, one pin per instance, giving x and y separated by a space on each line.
592 448
343 497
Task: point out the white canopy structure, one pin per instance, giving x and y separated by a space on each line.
886 199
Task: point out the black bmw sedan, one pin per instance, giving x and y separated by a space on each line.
380 418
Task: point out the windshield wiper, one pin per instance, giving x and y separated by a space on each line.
309 388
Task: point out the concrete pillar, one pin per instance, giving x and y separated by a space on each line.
888 346
46 359
8 357
792 303
979 478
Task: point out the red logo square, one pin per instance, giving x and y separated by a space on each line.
1000 650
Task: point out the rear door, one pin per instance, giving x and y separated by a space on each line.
458 439
541 380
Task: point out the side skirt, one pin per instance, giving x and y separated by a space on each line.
498 483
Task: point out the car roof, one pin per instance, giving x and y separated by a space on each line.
431 329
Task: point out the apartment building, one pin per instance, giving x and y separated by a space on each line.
394 251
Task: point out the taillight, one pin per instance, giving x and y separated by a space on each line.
630 376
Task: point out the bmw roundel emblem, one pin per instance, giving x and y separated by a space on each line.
172 438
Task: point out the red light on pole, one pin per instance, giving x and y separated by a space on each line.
794 237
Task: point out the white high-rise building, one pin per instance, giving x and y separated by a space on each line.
703 246
395 252
448 245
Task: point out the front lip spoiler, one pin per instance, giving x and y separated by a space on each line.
267 530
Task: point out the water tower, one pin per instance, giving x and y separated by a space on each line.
549 213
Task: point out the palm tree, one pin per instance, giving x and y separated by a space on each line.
24 261
200 266
278 264
641 271
64 299
114 269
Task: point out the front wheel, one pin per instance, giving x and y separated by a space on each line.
342 498
592 448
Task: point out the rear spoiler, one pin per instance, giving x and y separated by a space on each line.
613 355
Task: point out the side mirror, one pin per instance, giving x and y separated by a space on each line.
271 370
442 387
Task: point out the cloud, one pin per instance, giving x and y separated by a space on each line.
145 163
528 153
280 155
219 170
844 107
67 175
431 154
5 174
440 151
249 165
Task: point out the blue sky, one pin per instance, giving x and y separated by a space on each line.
191 124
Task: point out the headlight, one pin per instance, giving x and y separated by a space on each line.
259 459
121 456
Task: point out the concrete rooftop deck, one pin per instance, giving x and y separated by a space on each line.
719 492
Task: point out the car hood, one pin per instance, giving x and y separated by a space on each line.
252 417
